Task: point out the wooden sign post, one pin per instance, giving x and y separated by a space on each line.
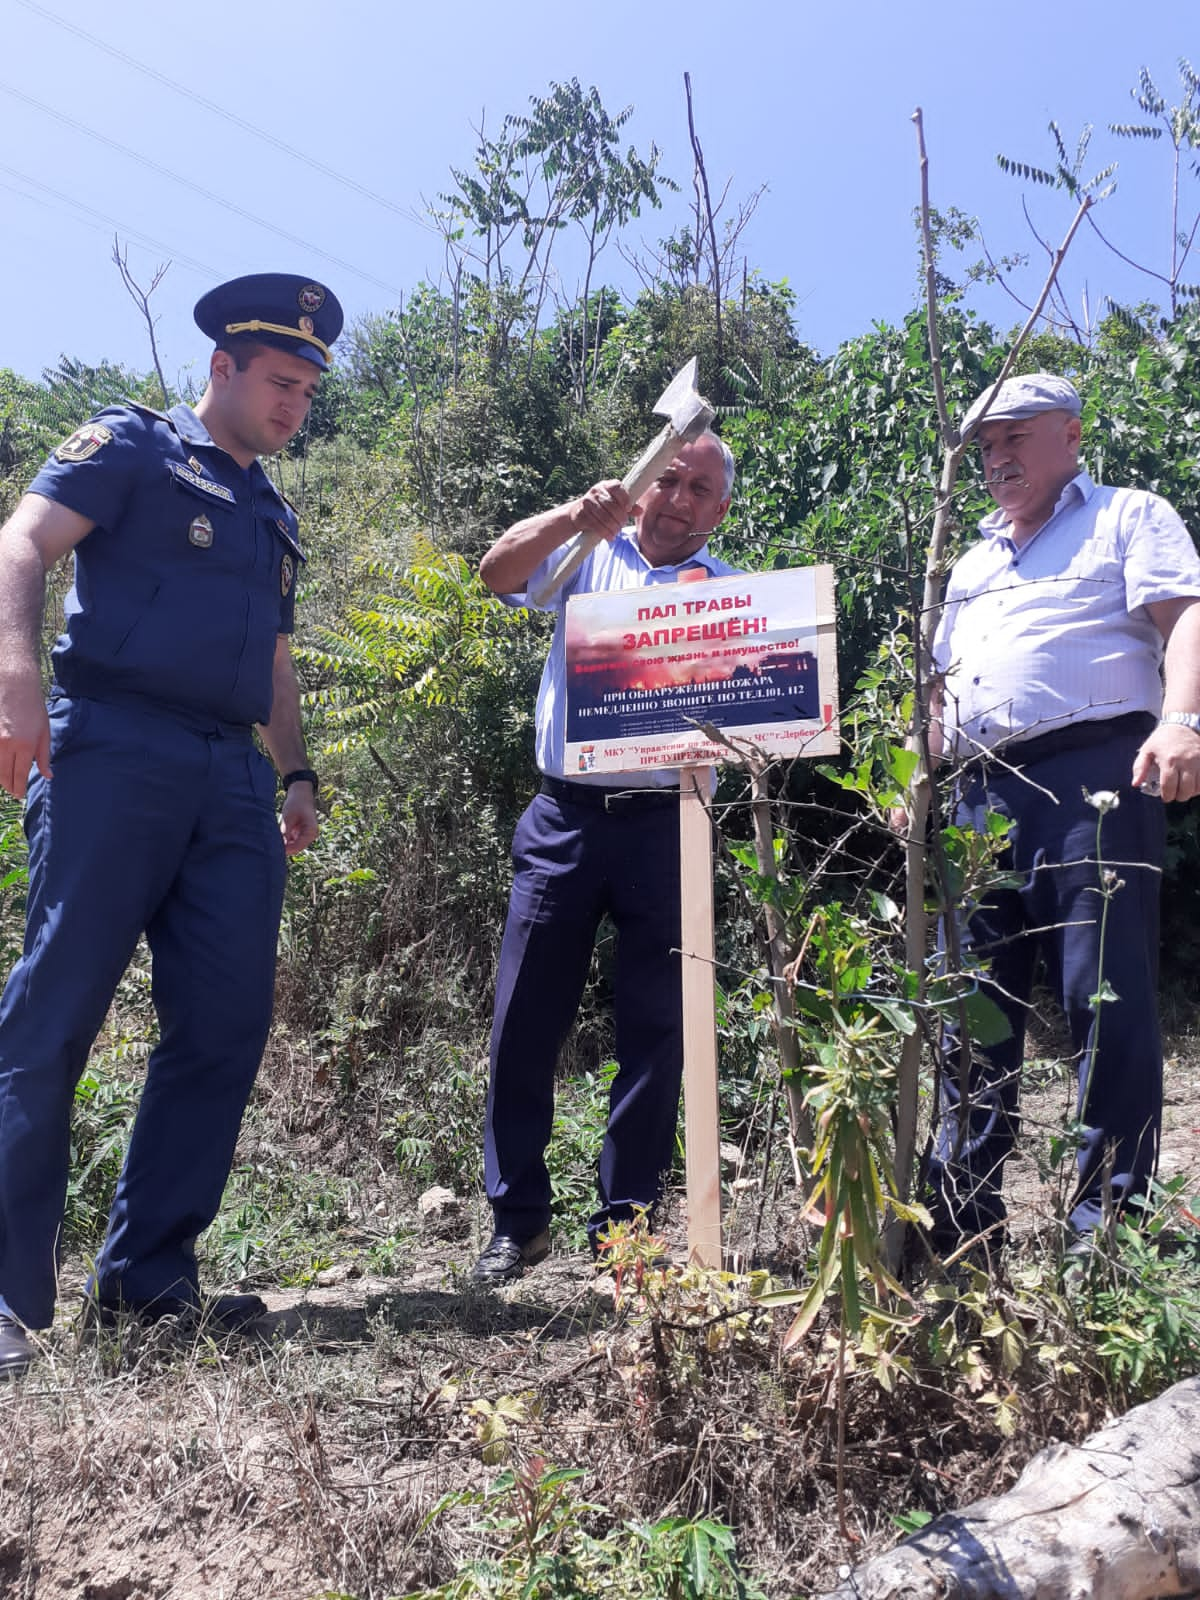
700 1104
647 670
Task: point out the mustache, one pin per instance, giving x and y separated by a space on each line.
1006 475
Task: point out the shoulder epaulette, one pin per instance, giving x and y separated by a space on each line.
149 411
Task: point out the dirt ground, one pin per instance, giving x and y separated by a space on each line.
306 1461
1048 1098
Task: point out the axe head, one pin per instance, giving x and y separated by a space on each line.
685 409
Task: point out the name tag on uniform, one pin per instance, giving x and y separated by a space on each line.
206 486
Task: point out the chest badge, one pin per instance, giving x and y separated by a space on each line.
201 533
287 571
84 442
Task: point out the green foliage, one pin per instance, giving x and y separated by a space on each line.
850 1036
538 1529
436 1135
580 1119
1138 1295
559 165
1068 169
277 1224
841 472
106 1098
427 643
14 875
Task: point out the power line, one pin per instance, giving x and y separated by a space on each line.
111 222
406 212
208 194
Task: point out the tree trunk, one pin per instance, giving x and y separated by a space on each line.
1115 1518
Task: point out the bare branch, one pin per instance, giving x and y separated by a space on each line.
922 794
1128 260
141 299
701 180
935 340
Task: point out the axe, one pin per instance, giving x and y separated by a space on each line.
688 415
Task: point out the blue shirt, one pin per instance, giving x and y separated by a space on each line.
618 564
188 577
1056 630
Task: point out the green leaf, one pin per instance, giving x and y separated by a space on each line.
898 1016
910 1522
987 1022
901 764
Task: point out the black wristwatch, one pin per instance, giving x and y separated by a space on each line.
301 775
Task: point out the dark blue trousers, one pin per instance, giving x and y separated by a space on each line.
1054 916
149 825
573 861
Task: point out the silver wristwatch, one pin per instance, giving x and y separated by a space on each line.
1186 719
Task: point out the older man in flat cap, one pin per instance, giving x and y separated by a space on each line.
1060 627
148 805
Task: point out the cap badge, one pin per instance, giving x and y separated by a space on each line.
311 298
84 442
287 571
306 324
201 533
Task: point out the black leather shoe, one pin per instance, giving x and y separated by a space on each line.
221 1313
15 1350
506 1258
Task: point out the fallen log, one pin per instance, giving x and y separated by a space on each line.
1114 1518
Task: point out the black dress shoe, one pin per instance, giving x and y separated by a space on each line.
16 1352
506 1258
221 1313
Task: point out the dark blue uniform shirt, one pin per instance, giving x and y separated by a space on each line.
188 576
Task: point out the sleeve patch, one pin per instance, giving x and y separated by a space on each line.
84 442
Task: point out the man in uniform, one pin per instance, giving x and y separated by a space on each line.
148 806
1060 626
584 848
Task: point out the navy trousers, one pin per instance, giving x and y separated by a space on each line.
148 824
1054 915
575 858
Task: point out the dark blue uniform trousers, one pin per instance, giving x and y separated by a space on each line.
156 824
574 860
1055 913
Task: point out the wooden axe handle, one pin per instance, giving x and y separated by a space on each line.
636 481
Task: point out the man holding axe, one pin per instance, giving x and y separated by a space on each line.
585 848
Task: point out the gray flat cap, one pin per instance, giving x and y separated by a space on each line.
1025 397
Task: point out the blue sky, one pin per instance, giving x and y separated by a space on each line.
810 100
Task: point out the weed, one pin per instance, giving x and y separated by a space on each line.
580 1120
437 1136
14 875
538 1529
1138 1295
276 1222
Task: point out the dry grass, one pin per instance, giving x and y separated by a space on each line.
144 1464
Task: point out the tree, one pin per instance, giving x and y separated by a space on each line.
1180 125
558 166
